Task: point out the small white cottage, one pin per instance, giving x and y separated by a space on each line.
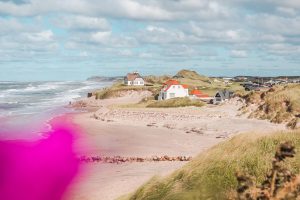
173 89
134 79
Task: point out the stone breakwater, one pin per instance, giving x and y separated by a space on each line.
119 159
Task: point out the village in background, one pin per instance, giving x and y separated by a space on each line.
190 84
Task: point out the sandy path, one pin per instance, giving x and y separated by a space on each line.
126 132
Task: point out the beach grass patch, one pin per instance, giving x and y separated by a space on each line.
211 175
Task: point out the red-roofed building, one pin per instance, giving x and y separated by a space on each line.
199 94
173 89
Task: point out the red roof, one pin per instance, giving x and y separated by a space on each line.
185 86
195 92
169 83
198 93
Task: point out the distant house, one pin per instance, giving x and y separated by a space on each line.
173 89
134 79
198 94
222 96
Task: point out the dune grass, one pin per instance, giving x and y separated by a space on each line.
280 104
211 175
176 102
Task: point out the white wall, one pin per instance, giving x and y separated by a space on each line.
126 82
174 91
138 81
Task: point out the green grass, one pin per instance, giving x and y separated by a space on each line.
175 102
211 175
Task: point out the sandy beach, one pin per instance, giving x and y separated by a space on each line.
115 131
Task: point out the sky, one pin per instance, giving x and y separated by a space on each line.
75 39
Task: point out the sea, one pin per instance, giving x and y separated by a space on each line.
26 107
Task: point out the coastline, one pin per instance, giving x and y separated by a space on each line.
115 131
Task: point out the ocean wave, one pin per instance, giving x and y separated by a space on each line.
44 87
40 97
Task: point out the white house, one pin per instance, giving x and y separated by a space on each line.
134 79
173 89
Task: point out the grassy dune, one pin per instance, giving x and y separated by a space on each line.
211 175
280 104
176 102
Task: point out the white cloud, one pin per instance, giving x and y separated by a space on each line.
79 22
160 35
126 53
101 37
145 55
132 9
275 24
83 54
43 36
10 25
180 29
238 54
282 49
287 11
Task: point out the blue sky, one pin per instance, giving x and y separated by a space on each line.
75 39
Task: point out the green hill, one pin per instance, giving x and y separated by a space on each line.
211 175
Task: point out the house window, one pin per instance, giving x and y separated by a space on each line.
172 95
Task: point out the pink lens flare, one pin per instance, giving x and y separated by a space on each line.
39 170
